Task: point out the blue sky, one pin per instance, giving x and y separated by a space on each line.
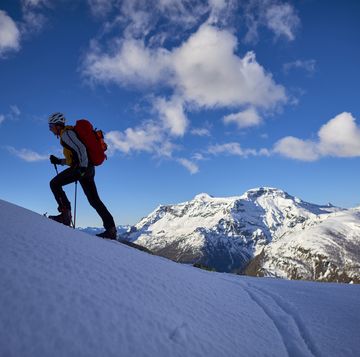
194 96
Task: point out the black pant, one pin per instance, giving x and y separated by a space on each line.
87 183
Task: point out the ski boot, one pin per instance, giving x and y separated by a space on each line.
64 217
109 233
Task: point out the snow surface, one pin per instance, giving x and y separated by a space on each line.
66 293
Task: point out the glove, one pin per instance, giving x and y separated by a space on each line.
55 160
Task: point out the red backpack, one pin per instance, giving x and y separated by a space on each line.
93 141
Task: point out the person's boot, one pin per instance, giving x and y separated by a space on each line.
109 233
64 217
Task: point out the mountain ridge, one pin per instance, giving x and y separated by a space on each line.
228 233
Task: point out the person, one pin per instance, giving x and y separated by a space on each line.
82 170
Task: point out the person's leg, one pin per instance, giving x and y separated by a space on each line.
56 184
90 190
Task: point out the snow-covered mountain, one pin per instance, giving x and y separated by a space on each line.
326 251
67 293
228 233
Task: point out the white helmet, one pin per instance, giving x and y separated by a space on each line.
57 118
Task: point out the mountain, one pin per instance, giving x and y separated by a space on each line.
67 293
249 233
326 251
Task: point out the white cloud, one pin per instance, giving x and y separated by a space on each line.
172 114
210 74
199 157
278 17
130 63
33 18
230 149
200 132
13 114
244 119
264 152
282 20
12 33
148 137
204 70
143 15
295 148
339 137
307 65
100 8
27 155
9 34
189 165
199 71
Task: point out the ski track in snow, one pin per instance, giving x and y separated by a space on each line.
292 331
287 321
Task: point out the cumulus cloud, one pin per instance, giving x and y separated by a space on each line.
172 114
131 62
12 33
27 155
193 56
204 70
9 34
244 119
210 74
148 137
189 165
339 137
295 148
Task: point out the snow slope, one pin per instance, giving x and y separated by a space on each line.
66 293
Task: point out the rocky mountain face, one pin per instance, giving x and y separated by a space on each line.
254 234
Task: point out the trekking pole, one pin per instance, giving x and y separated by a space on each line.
75 204
57 172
